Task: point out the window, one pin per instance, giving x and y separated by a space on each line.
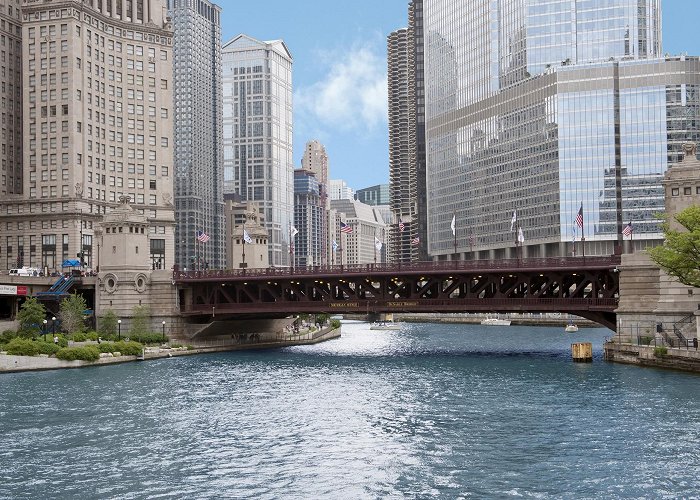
687 191
675 192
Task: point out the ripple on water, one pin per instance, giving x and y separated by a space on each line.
431 411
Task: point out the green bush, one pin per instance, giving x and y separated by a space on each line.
147 338
7 335
130 348
660 352
92 335
106 347
335 324
22 347
84 353
108 324
646 340
79 337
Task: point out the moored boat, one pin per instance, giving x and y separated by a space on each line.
495 322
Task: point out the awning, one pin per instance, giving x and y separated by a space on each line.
71 263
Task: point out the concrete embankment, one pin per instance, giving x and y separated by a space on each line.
10 364
651 356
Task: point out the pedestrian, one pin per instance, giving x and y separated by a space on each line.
99 340
695 343
55 339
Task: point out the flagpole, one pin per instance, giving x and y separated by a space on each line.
454 218
583 237
243 238
375 246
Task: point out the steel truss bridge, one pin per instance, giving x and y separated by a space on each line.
584 286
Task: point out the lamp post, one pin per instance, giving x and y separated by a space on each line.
45 321
119 325
163 323
53 327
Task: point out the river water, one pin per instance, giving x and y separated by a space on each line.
431 411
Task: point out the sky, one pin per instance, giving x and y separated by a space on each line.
339 70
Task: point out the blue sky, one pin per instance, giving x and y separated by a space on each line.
339 73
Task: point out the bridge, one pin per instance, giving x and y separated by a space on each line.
584 286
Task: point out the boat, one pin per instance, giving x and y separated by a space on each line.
571 328
495 322
385 326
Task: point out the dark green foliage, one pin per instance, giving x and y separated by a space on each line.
7 335
128 348
108 324
22 347
31 318
147 338
660 352
47 347
84 353
335 324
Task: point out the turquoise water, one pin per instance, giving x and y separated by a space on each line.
432 411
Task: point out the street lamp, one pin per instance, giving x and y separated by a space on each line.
163 331
45 321
119 324
53 327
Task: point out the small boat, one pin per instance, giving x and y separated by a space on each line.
571 328
385 326
495 322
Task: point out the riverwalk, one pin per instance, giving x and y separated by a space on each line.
12 364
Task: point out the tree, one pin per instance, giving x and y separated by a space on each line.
31 317
140 320
108 324
71 313
680 254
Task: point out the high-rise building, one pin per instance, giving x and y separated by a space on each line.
309 220
11 94
407 138
338 189
97 121
199 154
315 160
258 153
543 110
374 195
364 240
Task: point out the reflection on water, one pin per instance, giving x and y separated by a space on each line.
444 411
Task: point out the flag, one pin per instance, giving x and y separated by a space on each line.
344 228
513 220
579 217
246 237
202 237
452 226
521 236
415 241
627 231
335 245
377 244
401 225
472 240
293 231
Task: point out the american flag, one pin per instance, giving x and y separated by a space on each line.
627 231
401 225
579 217
202 237
415 241
344 228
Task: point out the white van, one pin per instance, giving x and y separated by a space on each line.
24 271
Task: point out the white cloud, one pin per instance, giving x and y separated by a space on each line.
351 96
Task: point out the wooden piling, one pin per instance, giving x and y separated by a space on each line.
582 352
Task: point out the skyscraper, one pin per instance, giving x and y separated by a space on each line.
97 121
199 156
315 160
407 138
309 220
258 155
11 94
540 108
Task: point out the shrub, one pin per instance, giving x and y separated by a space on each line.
147 338
85 353
108 324
335 324
106 347
92 335
47 348
660 352
22 347
31 317
79 337
7 335
646 340
140 320
71 313
128 348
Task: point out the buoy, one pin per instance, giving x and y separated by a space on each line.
582 352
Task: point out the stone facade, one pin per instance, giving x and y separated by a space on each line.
240 216
682 184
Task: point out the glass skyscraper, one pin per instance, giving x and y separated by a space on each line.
540 107
258 165
199 158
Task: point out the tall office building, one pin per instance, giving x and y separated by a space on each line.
339 190
544 110
315 160
407 139
11 94
258 153
309 220
199 155
97 121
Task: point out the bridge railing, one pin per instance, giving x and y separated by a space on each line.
414 267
